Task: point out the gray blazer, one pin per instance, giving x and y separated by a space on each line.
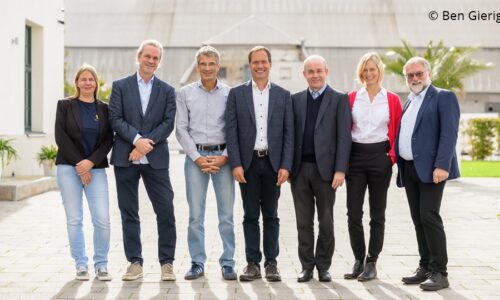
332 134
241 128
127 120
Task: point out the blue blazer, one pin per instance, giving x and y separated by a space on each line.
434 137
241 130
332 134
127 120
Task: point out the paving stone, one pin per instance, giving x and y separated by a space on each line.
35 262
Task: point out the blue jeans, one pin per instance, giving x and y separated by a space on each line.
96 192
196 192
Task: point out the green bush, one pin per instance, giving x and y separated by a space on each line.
481 133
498 135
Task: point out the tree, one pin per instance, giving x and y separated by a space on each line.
450 66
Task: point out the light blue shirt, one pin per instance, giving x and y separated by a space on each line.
315 94
200 117
408 123
145 93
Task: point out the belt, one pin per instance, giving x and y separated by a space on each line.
261 153
220 147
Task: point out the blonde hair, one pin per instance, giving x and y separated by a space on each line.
79 72
374 57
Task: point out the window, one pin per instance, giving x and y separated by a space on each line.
27 81
222 73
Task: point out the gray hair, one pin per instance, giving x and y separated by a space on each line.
315 57
208 51
153 43
417 60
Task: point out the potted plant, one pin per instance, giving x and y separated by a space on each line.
7 153
47 158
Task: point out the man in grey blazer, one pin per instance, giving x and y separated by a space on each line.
321 157
142 112
259 137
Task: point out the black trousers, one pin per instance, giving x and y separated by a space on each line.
311 193
369 166
425 202
260 194
161 195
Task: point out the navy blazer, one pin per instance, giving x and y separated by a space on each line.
434 137
241 130
68 134
127 120
332 133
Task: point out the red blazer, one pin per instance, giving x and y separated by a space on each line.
395 112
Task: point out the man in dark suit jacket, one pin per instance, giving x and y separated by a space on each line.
142 112
321 157
259 137
426 158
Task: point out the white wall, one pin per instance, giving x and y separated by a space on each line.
47 75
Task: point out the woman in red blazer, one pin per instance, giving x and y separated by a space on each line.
376 114
84 138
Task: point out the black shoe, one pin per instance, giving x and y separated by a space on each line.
305 275
272 272
357 269
435 282
228 273
251 272
324 276
419 276
195 272
369 272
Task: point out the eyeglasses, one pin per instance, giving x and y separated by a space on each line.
418 74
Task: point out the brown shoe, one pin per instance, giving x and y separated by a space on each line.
251 272
272 272
134 271
167 272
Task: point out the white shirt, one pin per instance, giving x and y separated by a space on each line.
144 93
408 123
370 119
261 107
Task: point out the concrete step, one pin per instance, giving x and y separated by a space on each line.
21 187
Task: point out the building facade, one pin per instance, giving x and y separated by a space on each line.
32 48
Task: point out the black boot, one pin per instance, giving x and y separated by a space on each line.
356 270
369 272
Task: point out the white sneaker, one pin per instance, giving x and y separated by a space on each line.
82 273
102 274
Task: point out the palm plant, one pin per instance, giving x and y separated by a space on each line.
7 152
48 154
450 66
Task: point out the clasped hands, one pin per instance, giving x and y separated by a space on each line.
211 164
83 169
142 147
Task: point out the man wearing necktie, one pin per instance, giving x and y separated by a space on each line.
322 147
426 158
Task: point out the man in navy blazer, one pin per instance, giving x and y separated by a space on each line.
259 137
426 158
321 158
142 112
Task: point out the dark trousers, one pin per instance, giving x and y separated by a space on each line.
260 193
161 195
369 166
311 193
425 202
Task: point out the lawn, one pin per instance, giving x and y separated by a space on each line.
480 169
